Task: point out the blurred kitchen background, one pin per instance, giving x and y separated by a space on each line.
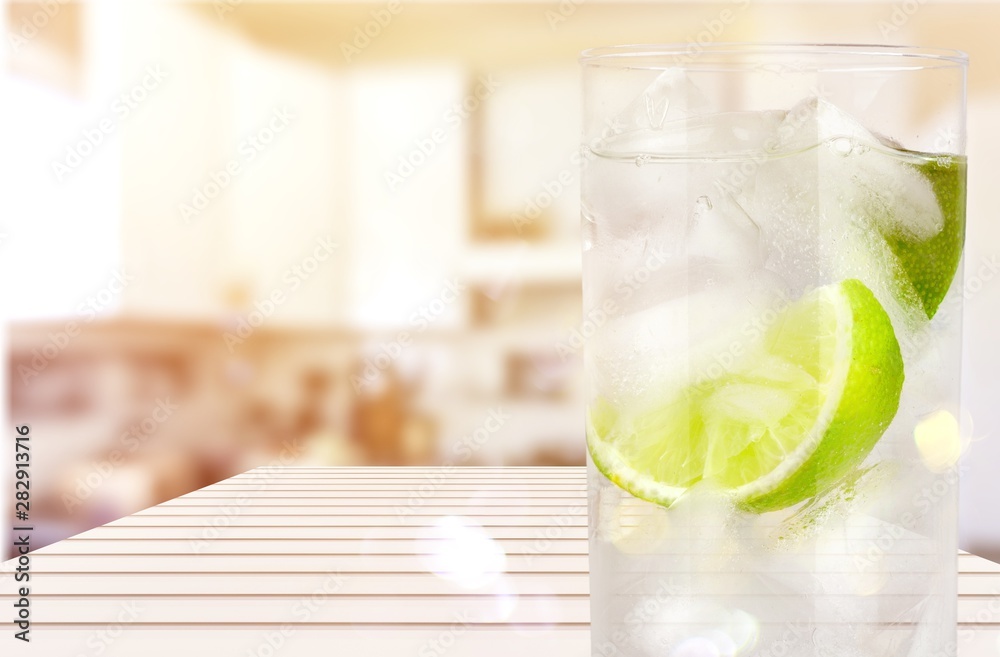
240 233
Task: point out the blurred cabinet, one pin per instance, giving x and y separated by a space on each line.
233 176
529 152
252 176
171 143
409 180
285 144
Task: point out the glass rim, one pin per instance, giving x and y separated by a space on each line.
746 55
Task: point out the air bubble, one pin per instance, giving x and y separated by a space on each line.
842 146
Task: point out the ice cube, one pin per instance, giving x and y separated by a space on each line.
856 168
671 96
721 232
671 116
825 202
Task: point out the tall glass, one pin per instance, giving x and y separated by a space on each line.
772 241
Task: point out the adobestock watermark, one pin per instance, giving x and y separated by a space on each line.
212 527
87 310
31 26
596 317
136 436
987 614
748 167
642 614
985 272
372 29
472 442
818 638
792 635
556 530
461 452
534 206
444 641
554 187
225 7
424 148
899 16
712 31
218 180
304 609
420 319
563 11
273 641
922 504
292 279
751 332
951 306
120 109
101 640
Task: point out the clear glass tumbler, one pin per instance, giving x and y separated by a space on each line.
772 241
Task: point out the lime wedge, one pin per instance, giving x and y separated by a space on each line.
930 264
892 217
793 418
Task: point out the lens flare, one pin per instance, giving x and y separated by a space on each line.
465 554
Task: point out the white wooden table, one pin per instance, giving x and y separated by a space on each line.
351 561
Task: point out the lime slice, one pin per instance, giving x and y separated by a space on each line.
795 416
930 264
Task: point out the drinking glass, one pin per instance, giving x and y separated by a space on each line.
772 245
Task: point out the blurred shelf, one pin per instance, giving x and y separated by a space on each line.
128 334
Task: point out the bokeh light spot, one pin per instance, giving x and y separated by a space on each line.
938 441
